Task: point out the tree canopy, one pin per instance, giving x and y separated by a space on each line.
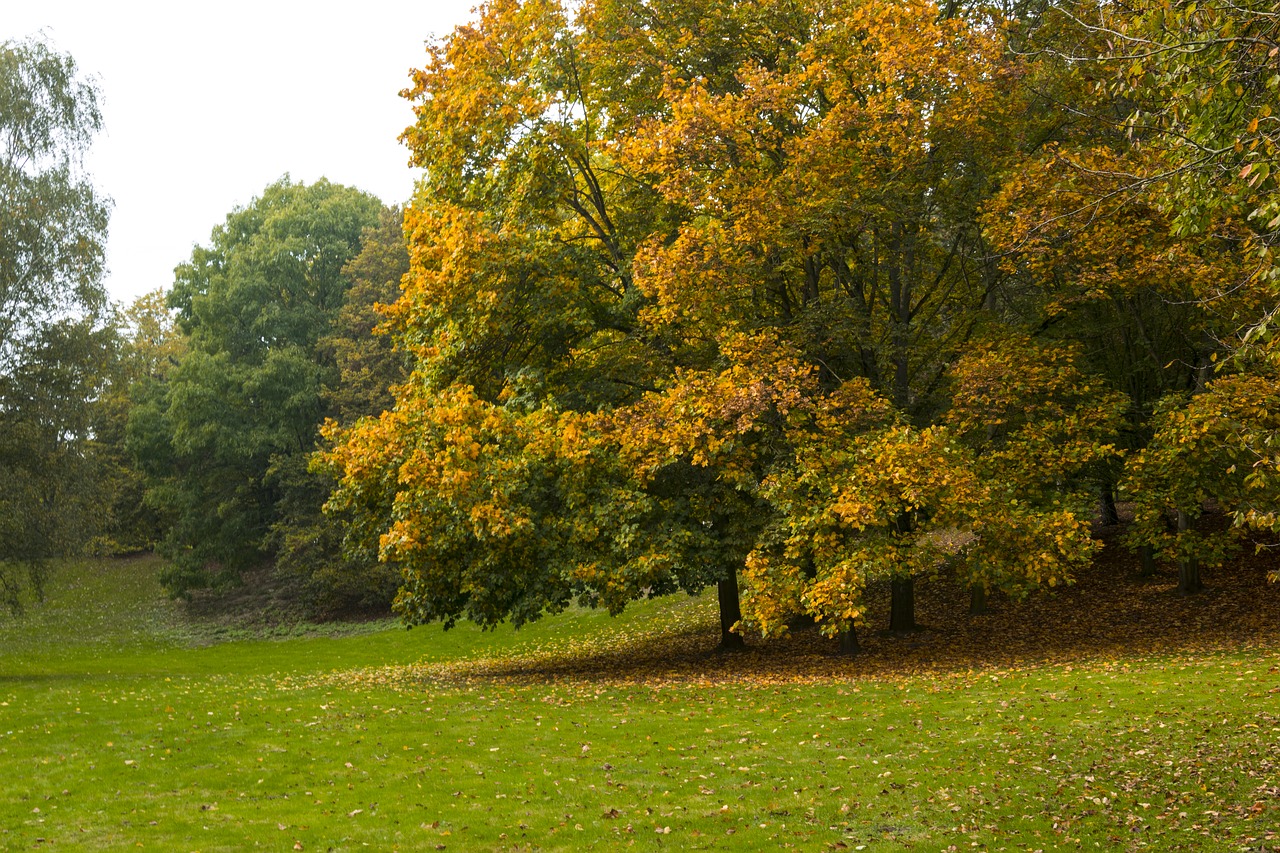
811 301
226 438
641 291
55 346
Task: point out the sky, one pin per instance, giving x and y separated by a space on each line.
205 104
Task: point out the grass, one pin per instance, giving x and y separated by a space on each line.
125 725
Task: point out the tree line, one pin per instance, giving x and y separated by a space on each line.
783 298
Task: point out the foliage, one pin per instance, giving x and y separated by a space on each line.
149 347
634 287
519 308
1041 428
470 496
522 230
369 365
341 570
833 193
1153 244
54 224
1205 78
497 513
54 347
1148 310
886 501
1215 449
51 470
226 438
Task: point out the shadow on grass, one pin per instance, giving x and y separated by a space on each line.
1109 613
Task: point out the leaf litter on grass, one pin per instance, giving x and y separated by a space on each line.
1012 739
1109 617
1076 699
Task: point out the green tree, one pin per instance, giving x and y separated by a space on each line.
150 347
226 439
52 344
51 463
336 556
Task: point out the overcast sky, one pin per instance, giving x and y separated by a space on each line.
205 104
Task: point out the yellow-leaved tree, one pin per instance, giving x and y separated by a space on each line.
680 274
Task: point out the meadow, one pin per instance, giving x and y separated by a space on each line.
128 723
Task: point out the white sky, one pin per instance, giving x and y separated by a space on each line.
205 104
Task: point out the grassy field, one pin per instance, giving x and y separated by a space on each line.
125 724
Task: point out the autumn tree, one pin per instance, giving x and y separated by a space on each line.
1154 240
612 206
865 495
1043 434
520 307
1211 449
834 194
1204 80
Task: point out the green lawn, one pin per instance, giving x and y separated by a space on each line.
121 727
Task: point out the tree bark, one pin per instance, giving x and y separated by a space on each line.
977 599
1148 556
902 605
849 642
1107 505
730 611
1188 567
1189 577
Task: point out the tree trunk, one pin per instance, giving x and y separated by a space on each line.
1189 576
1107 505
902 605
730 612
1148 556
849 642
1188 567
977 599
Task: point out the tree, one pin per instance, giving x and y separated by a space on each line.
1156 242
1203 76
629 222
150 347
833 193
51 465
1214 447
336 556
866 495
369 364
519 308
1043 433
54 226
52 344
226 439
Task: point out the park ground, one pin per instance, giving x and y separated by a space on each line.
1111 714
